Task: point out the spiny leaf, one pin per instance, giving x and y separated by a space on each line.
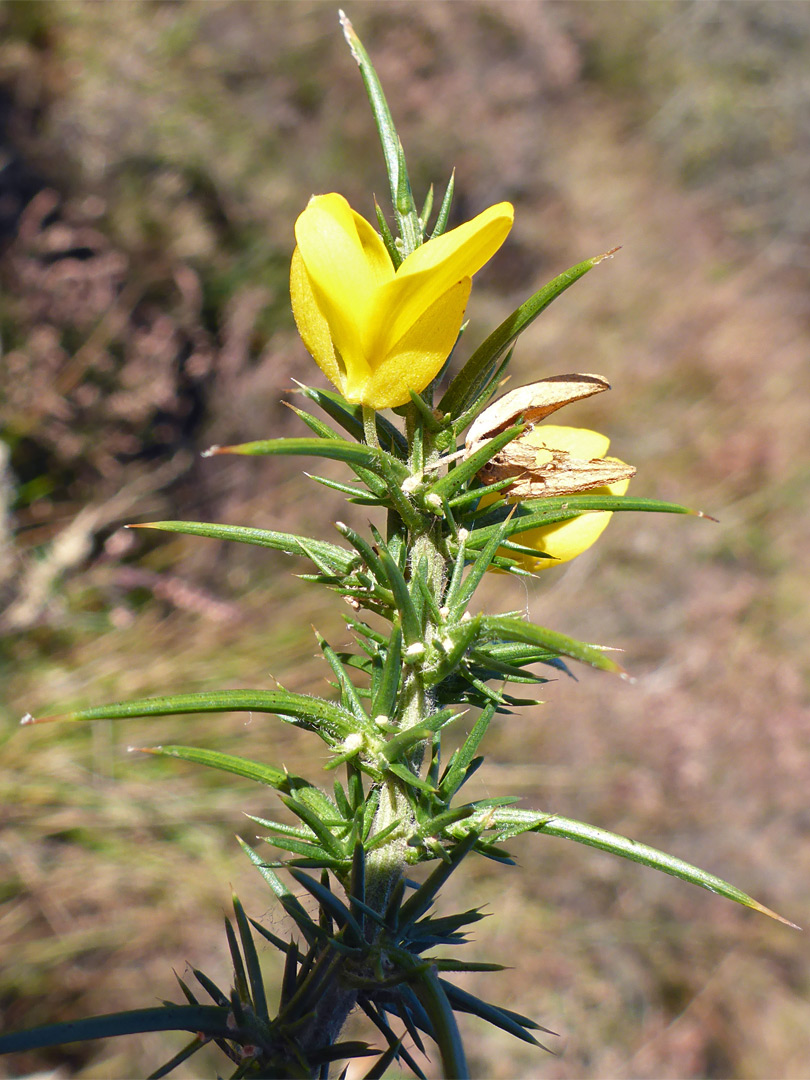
279 943
417 904
480 400
350 417
289 978
311 818
210 1019
349 1049
307 851
250 770
513 1023
399 745
239 976
183 1055
456 478
467 965
506 628
342 801
337 558
582 503
349 693
357 886
336 908
356 495
553 825
537 513
435 826
389 140
210 987
387 237
369 457
444 210
307 927
410 779
465 386
466 590
385 692
444 928
322 430
380 1066
428 420
190 998
252 961
411 626
328 720
427 208
429 988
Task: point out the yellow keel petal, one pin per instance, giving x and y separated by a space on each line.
312 326
346 263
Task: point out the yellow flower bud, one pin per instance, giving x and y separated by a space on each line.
557 460
376 332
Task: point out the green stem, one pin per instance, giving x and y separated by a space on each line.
387 863
424 547
370 426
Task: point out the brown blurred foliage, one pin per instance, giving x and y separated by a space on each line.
154 157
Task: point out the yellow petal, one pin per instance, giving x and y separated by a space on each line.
312 326
377 334
430 271
417 358
565 539
473 243
346 263
580 443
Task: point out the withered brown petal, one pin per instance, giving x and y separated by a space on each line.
534 403
563 475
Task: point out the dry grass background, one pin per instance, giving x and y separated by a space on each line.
156 156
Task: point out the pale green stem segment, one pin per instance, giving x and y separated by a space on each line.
387 863
370 426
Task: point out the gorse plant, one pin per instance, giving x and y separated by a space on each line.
380 310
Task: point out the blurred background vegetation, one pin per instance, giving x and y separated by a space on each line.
153 157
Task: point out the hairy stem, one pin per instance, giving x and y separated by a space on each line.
387 863
370 426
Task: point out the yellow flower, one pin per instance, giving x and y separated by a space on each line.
377 333
565 539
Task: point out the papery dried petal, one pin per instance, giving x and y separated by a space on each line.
533 402
562 474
